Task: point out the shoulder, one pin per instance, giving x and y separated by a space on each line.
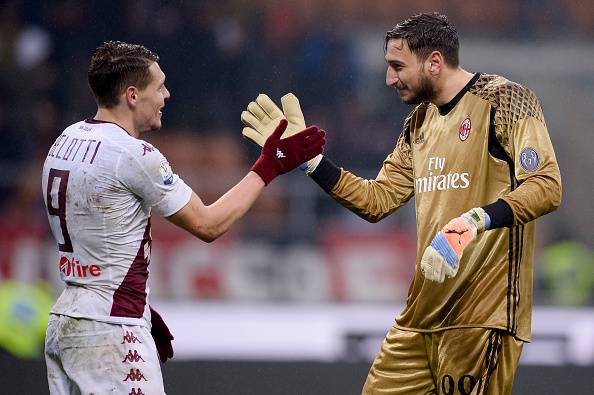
143 157
513 100
141 151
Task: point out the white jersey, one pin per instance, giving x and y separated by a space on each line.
99 185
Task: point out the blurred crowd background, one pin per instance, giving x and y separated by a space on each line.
296 244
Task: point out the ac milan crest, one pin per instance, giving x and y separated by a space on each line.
465 129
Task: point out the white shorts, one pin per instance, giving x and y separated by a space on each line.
90 357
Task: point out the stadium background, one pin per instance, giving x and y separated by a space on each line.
297 297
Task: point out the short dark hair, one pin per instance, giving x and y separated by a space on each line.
428 32
116 65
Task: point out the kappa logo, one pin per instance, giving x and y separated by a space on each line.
465 129
133 357
136 391
130 338
146 148
135 375
279 154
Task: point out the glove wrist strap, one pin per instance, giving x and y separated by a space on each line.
478 218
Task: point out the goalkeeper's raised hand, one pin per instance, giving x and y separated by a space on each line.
263 115
280 156
442 257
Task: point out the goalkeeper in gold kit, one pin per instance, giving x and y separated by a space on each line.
476 155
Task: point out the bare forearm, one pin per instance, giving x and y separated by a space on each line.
210 222
234 204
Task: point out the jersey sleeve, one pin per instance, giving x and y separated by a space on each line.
522 130
375 199
149 176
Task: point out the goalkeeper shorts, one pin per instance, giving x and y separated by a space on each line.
461 361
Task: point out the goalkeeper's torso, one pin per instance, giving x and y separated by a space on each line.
451 159
459 164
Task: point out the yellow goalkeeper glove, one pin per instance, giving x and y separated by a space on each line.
263 116
442 257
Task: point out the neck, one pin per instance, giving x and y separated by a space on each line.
452 82
118 117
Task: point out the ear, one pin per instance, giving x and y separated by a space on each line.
130 95
435 62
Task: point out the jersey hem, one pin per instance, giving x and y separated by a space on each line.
109 320
445 328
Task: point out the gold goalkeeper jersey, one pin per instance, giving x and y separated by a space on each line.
490 142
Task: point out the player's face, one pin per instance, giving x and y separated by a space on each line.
406 73
151 101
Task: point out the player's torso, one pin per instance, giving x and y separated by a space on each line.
99 225
454 171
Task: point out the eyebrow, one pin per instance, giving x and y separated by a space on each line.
394 62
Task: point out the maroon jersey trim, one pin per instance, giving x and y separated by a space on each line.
130 297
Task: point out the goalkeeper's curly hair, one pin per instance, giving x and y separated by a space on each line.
428 32
116 65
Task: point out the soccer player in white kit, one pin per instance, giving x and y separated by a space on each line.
100 183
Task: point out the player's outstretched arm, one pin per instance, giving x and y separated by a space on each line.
370 199
278 156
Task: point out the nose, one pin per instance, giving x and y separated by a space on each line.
167 94
391 76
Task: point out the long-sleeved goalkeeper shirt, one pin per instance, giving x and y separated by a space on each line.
488 147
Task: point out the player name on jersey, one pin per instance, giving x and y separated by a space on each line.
69 148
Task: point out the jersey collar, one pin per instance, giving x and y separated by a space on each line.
446 108
96 121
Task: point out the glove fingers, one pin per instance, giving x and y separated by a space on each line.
268 106
315 140
249 120
432 265
280 129
305 133
257 111
253 136
315 145
292 110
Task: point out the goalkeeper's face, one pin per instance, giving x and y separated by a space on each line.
406 74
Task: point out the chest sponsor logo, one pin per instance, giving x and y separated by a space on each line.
465 129
529 159
437 181
73 268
